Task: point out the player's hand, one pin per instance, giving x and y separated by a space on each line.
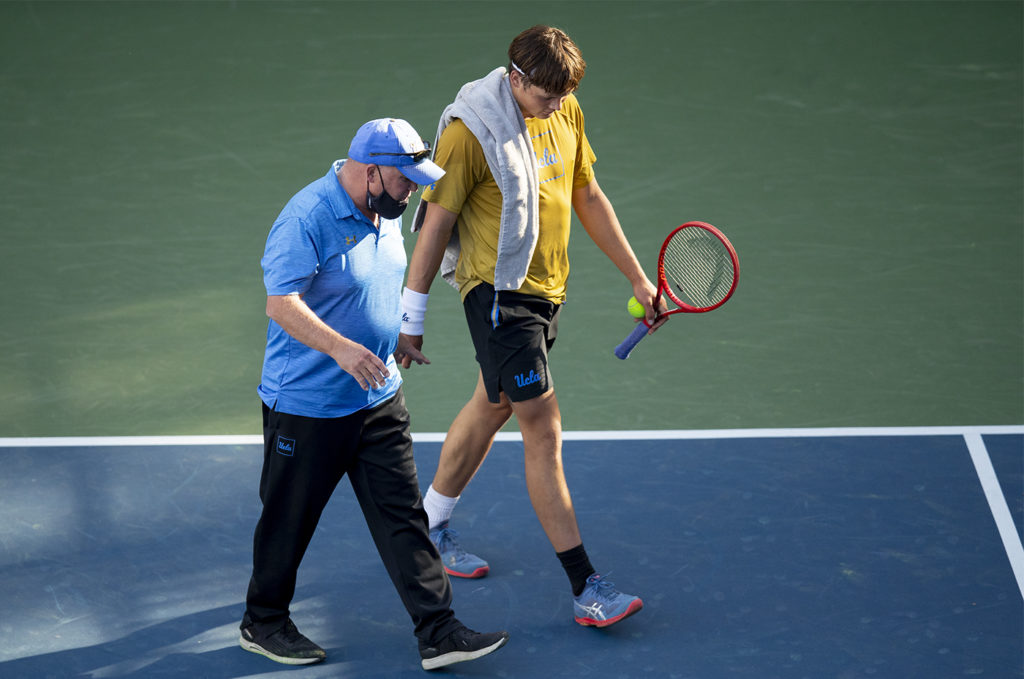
645 292
408 350
362 364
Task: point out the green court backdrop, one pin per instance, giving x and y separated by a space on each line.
864 157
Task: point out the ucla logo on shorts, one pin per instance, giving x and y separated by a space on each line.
286 446
523 380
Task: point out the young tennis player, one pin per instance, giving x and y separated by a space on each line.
517 163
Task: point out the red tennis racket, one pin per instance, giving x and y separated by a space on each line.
697 269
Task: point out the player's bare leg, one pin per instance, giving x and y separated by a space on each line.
469 440
540 422
466 445
595 600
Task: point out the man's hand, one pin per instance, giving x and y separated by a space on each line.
644 291
408 350
362 364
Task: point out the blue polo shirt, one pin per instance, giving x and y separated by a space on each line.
350 274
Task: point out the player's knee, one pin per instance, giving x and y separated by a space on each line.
487 415
539 417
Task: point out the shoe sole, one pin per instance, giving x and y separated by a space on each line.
253 647
478 573
461 656
591 622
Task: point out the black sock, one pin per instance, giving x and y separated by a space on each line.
577 567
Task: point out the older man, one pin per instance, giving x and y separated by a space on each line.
332 397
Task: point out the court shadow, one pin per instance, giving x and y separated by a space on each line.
154 651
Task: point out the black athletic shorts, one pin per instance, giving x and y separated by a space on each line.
512 334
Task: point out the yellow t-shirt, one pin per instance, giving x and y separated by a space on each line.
564 163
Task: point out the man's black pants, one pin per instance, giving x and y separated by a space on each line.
303 460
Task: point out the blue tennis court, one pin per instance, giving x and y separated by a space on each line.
803 553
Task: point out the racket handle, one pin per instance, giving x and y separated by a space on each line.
624 349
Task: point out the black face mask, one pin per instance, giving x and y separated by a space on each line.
384 205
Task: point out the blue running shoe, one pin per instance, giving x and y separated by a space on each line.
457 561
600 604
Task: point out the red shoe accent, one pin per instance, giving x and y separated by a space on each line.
478 573
633 608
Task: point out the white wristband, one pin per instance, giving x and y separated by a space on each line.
414 310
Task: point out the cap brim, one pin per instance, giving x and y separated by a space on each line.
422 173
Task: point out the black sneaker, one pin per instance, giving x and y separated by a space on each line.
286 645
462 644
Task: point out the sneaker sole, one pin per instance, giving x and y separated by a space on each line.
253 647
591 622
461 656
478 573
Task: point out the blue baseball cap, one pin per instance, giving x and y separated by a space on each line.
391 141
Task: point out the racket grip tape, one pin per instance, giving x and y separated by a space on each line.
624 349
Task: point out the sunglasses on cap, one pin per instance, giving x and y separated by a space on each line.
416 156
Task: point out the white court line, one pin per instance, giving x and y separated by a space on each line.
638 435
111 441
997 504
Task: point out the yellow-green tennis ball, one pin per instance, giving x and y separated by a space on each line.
636 309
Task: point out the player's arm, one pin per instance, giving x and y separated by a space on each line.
433 238
598 217
434 234
299 321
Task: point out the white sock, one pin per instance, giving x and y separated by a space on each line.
439 507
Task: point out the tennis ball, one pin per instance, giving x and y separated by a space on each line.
636 309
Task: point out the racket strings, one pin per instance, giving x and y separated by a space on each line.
698 268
